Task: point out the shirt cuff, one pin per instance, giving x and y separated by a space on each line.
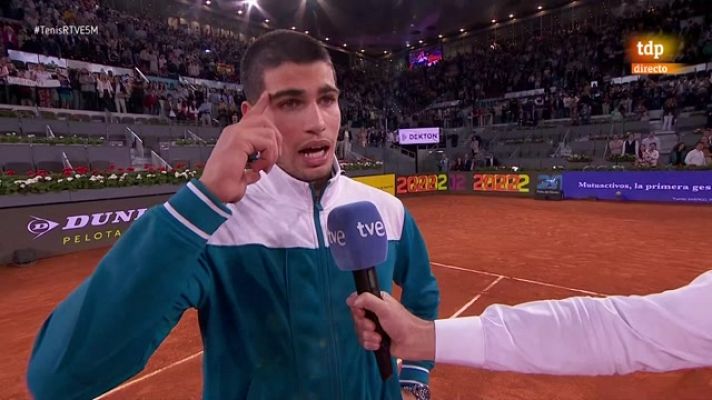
460 341
196 208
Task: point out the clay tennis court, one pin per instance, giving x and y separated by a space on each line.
484 250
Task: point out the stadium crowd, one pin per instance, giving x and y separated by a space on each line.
572 67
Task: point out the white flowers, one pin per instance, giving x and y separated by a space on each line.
48 178
164 172
77 176
113 177
97 178
181 174
138 177
24 183
69 179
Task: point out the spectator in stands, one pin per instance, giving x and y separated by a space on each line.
44 96
677 155
615 146
204 114
642 112
651 139
474 145
469 163
121 93
631 145
651 155
458 165
669 111
64 91
9 38
696 156
192 111
707 138
88 90
136 96
106 92
444 164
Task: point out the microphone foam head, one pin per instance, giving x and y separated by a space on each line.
357 236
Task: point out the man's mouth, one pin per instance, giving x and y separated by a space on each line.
314 152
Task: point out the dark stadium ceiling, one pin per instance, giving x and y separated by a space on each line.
381 25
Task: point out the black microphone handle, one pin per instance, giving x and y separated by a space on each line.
367 281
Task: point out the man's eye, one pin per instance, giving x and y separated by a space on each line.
290 104
327 101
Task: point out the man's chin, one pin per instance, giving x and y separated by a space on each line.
310 174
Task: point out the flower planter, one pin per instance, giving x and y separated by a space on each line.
66 196
364 172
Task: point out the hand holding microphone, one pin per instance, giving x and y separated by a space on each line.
358 242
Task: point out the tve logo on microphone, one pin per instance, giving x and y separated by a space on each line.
369 229
357 236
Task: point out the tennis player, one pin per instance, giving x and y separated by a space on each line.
246 247
576 336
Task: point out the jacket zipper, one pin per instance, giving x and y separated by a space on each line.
333 359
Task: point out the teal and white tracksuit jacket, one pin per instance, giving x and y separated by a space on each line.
271 301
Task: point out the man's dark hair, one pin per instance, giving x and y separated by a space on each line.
272 50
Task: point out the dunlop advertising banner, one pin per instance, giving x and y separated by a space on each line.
64 228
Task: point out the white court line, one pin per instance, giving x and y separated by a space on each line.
156 372
457 313
540 283
474 299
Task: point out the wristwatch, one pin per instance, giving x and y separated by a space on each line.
421 392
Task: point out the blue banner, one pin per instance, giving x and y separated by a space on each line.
683 186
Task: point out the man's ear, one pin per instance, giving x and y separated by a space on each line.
245 107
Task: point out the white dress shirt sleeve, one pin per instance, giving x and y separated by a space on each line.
586 336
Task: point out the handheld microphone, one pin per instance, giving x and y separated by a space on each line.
357 241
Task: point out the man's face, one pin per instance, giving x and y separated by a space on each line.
700 146
305 109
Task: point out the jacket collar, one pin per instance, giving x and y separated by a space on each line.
279 185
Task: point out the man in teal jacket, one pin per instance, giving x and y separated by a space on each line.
245 246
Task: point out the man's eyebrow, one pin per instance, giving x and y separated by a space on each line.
328 89
287 93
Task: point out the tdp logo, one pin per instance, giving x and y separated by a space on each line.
650 49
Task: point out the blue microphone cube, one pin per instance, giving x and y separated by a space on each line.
357 236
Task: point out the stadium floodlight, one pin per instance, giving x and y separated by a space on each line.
251 3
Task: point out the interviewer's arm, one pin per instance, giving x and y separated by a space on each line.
587 336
